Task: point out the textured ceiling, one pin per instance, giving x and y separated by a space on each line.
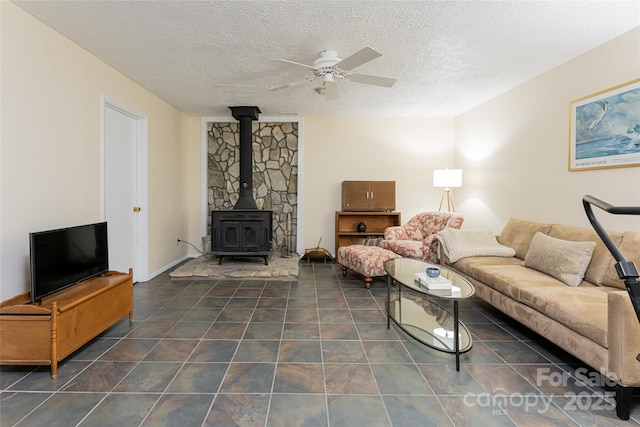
448 56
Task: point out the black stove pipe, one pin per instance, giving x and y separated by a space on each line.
245 117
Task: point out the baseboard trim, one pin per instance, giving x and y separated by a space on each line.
171 265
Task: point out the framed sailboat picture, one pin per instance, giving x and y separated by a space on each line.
604 129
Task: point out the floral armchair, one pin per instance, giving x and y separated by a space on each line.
417 238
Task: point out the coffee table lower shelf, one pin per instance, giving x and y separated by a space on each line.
431 325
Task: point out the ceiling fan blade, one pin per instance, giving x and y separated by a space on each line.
371 80
331 91
296 63
292 84
362 56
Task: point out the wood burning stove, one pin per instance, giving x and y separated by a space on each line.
241 232
245 230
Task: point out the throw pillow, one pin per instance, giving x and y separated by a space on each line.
565 260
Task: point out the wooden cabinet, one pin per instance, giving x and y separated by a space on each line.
47 333
368 195
347 225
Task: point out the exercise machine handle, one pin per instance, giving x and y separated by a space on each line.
626 270
587 201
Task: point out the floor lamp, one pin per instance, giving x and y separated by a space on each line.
447 179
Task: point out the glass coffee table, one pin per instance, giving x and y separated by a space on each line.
417 310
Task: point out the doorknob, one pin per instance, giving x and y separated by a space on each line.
137 208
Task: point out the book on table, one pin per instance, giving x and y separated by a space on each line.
453 291
432 282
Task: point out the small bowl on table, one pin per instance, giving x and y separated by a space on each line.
433 272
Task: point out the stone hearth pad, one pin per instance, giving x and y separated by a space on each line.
279 268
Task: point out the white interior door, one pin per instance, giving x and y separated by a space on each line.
124 190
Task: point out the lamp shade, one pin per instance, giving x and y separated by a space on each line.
447 178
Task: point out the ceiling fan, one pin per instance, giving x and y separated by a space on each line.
330 68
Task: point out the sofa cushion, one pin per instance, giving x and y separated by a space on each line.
517 234
630 249
506 275
582 309
601 259
563 259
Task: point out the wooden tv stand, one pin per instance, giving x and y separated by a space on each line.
45 334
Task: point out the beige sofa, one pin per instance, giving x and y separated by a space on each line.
593 319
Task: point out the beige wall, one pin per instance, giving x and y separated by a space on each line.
194 208
51 164
514 148
405 150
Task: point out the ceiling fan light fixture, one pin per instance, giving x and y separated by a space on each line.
330 68
328 58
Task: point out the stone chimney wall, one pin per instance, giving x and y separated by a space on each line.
275 173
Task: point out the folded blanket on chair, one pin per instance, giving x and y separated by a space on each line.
458 244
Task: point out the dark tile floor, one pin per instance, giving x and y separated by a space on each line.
312 352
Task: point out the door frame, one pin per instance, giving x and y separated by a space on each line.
141 270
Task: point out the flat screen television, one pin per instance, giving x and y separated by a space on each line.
63 257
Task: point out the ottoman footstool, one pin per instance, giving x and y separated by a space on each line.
365 260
